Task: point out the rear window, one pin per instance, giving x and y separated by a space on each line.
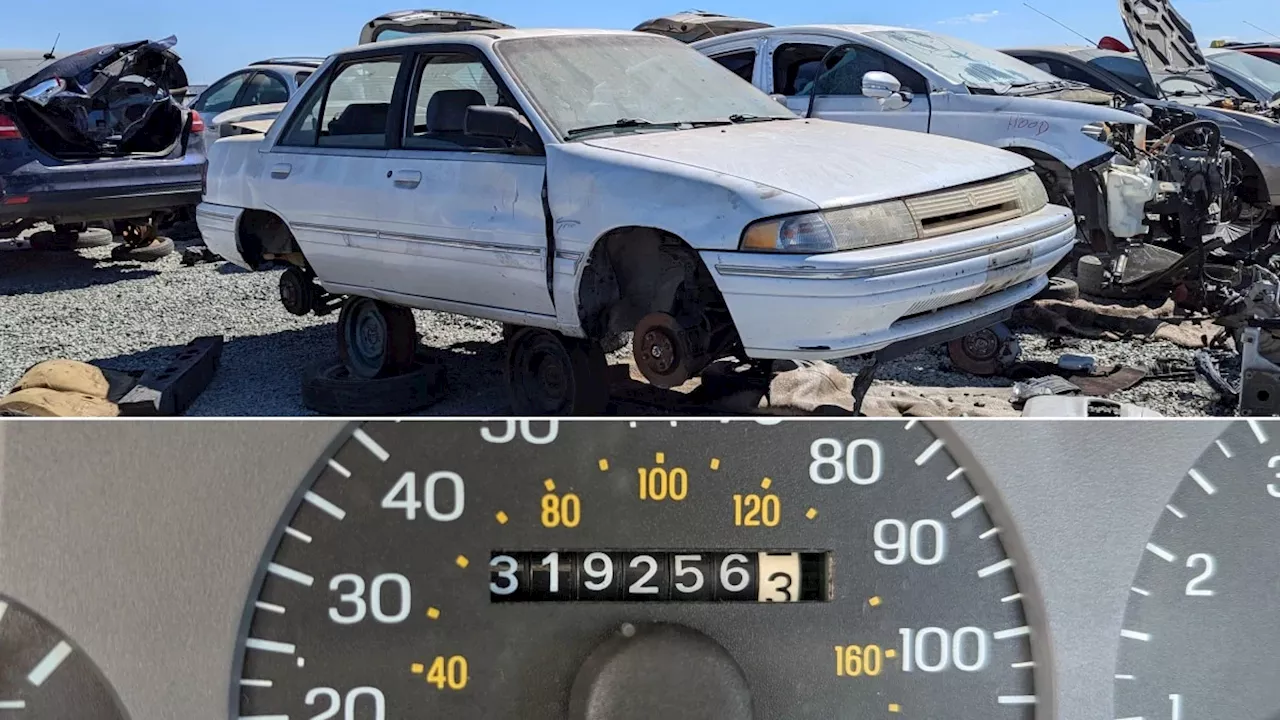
15 71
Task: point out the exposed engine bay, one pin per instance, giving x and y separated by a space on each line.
107 101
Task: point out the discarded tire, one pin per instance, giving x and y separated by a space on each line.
376 339
1060 289
298 293
95 237
550 374
158 248
329 388
1089 275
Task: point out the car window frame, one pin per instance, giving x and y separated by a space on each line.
414 61
322 85
756 54
861 45
246 73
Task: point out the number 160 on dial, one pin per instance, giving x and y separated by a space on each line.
670 576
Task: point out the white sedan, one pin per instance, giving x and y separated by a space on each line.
581 184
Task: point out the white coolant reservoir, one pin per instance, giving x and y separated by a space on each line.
1129 189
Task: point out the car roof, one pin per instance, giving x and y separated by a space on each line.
306 62
1080 52
481 38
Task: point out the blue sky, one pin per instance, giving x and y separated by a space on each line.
217 37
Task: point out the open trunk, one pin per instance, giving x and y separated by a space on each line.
694 25
404 23
109 101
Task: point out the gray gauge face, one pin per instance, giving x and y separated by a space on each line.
1198 639
44 675
612 570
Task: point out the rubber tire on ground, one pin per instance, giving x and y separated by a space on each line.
160 247
1060 289
400 342
582 363
95 237
330 389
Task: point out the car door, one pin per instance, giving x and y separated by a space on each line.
795 62
463 218
264 88
742 58
327 173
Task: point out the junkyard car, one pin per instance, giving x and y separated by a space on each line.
259 90
98 136
596 183
1249 76
1090 155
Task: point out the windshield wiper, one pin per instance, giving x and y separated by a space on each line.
739 118
619 125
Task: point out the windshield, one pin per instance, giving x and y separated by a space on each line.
1263 72
580 81
963 62
1130 69
15 70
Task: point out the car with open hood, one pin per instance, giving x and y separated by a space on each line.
1091 155
100 135
595 183
1249 76
1168 72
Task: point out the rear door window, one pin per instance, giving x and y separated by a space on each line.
264 89
222 96
351 111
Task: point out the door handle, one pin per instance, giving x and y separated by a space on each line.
408 179
281 171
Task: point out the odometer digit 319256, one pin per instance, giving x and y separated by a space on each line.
627 570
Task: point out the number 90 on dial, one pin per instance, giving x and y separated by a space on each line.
666 576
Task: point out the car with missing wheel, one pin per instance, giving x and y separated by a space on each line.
579 185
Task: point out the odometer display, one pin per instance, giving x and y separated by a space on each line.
619 570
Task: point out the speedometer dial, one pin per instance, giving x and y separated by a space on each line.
1198 640
615 570
44 675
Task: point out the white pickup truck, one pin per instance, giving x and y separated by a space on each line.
580 185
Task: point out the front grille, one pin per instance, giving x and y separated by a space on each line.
966 208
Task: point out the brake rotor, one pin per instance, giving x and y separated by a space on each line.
660 346
985 353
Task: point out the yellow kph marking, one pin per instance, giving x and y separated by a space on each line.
604 465
417 669
812 513
874 602
766 484
895 707
549 484
433 613
660 458
463 562
502 518
715 463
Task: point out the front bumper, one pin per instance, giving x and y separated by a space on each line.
852 303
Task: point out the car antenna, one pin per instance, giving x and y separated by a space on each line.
49 55
1255 27
1030 7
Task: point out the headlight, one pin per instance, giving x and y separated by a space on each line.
833 230
1031 193
1098 131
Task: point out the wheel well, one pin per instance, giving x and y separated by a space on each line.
262 234
633 271
1055 174
1253 186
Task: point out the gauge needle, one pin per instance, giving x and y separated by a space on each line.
12 704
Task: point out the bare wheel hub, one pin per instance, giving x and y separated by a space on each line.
662 351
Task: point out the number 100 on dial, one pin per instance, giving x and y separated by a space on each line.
664 576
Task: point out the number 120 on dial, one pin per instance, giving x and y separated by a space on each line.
664 576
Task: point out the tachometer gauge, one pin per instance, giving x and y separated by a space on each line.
628 570
1198 639
44 675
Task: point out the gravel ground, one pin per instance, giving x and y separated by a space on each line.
132 316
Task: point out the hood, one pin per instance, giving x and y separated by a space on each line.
830 164
426 21
694 25
89 70
1165 42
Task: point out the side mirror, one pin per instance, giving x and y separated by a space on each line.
499 123
779 98
887 89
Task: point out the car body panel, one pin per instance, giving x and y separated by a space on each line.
1004 121
426 21
467 232
1165 42
695 25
